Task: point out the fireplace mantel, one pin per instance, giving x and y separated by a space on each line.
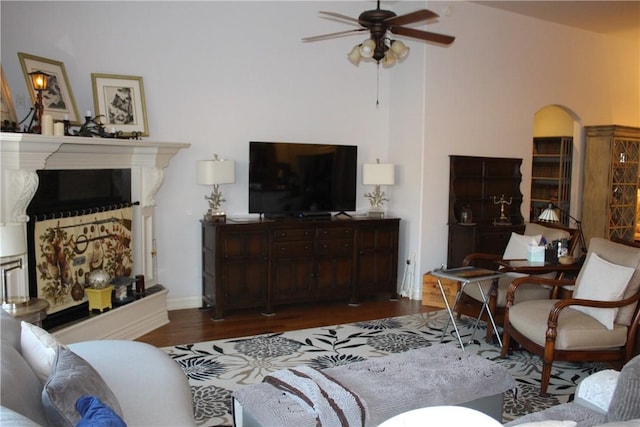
33 152
21 155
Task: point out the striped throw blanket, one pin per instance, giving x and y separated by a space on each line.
326 399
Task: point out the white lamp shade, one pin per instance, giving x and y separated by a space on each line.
12 240
378 174
389 58
210 172
549 215
354 56
399 48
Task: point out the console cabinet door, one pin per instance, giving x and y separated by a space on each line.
377 244
334 262
312 263
244 268
241 272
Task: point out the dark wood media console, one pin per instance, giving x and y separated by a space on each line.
262 264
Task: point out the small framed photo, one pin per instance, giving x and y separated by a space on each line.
58 98
8 111
120 102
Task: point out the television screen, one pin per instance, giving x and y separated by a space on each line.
296 179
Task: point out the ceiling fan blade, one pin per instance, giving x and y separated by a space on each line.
339 16
409 18
423 35
331 35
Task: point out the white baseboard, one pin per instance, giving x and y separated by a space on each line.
184 302
127 322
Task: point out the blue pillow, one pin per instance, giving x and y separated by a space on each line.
96 414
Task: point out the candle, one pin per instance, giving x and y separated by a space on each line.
46 127
58 129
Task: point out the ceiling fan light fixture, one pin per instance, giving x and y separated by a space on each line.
389 58
399 48
367 48
354 56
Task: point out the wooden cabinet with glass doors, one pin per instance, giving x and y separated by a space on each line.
610 195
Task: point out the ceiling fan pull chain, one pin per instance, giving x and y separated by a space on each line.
378 85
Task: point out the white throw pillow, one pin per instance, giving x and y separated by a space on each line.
602 281
38 349
517 246
596 390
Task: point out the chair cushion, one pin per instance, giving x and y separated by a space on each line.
575 331
625 403
550 234
525 292
622 255
518 244
602 281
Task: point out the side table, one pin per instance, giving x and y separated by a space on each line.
33 311
466 275
526 267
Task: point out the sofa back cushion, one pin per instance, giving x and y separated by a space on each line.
9 330
21 388
625 402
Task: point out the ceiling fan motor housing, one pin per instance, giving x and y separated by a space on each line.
374 21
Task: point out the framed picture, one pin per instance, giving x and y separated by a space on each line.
120 100
58 99
8 111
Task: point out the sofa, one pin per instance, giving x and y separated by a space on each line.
606 398
45 383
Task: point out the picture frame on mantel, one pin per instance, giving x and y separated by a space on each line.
58 99
8 111
121 103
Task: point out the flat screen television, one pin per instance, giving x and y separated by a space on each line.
298 180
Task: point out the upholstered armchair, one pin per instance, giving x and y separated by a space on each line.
600 321
470 303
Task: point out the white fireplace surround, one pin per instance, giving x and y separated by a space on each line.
21 155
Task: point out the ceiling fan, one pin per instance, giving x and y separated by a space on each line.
378 22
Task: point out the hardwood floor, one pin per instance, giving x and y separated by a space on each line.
195 325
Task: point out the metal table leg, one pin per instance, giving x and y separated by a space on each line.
485 305
451 319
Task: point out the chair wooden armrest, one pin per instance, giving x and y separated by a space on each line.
560 305
513 286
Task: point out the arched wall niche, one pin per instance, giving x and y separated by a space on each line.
556 121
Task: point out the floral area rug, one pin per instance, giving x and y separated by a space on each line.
217 368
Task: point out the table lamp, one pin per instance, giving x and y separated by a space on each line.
377 174
13 243
550 215
215 172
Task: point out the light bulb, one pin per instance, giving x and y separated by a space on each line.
367 47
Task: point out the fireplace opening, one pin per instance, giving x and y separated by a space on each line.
92 202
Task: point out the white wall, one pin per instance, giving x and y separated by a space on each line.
483 93
219 74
